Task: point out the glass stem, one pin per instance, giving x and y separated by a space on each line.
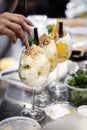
33 98
57 78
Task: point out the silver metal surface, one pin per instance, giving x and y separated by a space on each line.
36 114
44 100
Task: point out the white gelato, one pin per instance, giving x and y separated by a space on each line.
34 68
49 46
66 39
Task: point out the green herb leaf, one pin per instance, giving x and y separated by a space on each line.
49 27
78 80
33 40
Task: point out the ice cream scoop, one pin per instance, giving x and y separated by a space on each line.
49 46
34 66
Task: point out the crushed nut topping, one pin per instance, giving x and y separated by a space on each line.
33 51
44 40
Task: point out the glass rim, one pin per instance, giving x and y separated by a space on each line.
84 108
74 88
12 119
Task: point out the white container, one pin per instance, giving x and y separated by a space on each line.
76 96
70 122
82 111
19 123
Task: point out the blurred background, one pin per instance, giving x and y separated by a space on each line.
51 8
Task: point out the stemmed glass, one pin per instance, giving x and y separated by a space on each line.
63 46
48 45
34 69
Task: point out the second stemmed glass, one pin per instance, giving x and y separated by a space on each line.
48 45
63 46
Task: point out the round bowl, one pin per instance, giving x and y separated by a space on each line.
19 123
69 122
82 111
76 96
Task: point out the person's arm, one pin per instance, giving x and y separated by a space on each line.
74 22
12 5
14 26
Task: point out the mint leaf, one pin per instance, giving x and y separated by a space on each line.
49 27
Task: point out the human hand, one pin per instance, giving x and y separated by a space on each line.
14 25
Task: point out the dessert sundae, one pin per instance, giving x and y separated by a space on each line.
63 46
34 66
62 40
49 46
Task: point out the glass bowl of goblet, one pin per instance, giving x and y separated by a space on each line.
34 68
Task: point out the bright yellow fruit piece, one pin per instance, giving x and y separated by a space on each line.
62 51
61 48
53 31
